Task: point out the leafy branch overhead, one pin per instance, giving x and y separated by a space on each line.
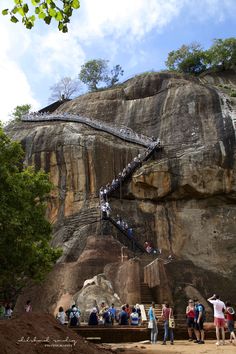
47 10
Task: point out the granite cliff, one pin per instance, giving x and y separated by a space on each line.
183 199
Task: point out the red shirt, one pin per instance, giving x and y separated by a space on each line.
190 313
229 317
166 313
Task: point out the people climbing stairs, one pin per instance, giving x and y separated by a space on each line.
109 189
123 133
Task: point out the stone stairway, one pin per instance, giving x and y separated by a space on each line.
157 311
146 294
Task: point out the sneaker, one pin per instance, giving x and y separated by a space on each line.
190 339
172 343
217 343
201 342
196 341
164 343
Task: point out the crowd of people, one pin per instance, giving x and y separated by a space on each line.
116 183
224 316
103 315
122 176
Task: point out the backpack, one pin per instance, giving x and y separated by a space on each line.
74 319
203 312
107 317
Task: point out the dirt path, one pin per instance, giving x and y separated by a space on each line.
180 347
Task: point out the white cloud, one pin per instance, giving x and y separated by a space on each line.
132 18
58 54
14 88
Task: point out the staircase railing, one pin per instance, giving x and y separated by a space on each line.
122 132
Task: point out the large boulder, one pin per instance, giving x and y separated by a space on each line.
183 200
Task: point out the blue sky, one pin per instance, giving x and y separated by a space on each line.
137 34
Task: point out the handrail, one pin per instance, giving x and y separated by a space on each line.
131 240
123 133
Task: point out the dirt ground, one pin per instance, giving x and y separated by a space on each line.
179 347
34 333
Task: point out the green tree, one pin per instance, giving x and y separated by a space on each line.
19 111
93 72
222 53
187 59
96 71
115 73
46 10
25 252
64 89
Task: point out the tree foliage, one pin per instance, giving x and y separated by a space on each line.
96 71
46 10
222 53
93 72
187 59
193 59
25 253
19 111
115 73
64 89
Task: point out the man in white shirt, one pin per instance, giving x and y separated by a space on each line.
219 317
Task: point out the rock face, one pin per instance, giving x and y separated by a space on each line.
183 200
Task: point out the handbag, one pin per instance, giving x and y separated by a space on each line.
171 322
150 324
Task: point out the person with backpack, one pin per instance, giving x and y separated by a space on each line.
219 317
199 319
107 315
230 317
134 317
74 317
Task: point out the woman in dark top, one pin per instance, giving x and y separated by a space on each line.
93 318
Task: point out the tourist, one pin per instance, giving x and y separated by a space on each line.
74 316
128 310
93 317
190 319
112 310
61 316
108 209
219 317
153 323
101 312
137 307
104 211
123 317
230 313
134 317
28 307
107 317
199 318
8 311
167 314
